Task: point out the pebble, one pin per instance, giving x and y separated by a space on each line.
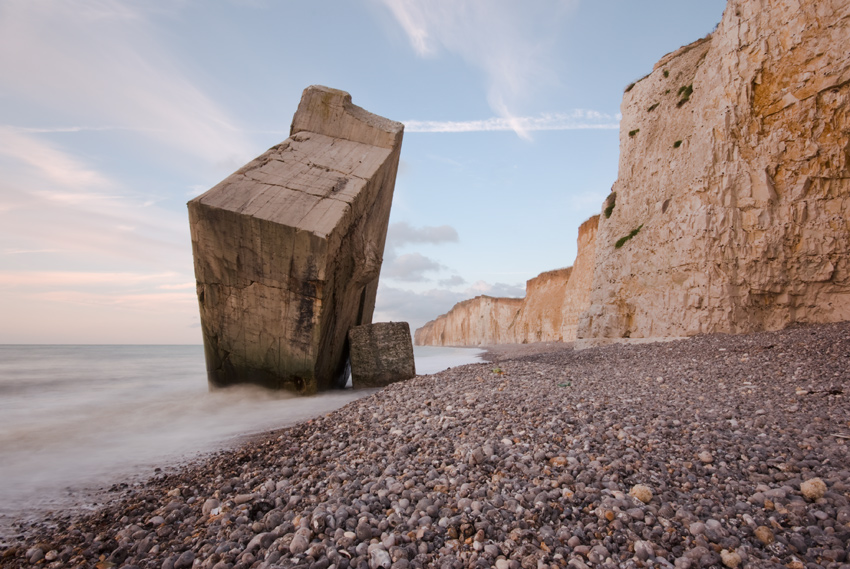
764 535
209 506
730 558
185 560
641 492
467 468
643 550
697 528
813 489
299 544
379 558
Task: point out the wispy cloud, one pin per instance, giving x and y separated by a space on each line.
28 251
576 120
509 41
132 290
50 162
38 279
181 286
411 267
58 129
52 201
102 62
157 302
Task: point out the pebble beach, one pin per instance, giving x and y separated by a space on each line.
716 451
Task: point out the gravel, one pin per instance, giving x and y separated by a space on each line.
717 451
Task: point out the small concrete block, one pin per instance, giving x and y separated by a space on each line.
381 354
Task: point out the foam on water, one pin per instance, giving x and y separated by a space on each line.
78 417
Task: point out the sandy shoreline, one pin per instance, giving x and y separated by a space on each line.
531 467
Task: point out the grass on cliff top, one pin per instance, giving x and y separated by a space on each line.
623 240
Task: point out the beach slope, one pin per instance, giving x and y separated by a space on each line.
714 450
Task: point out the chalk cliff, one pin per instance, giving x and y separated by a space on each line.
548 313
729 213
479 320
730 209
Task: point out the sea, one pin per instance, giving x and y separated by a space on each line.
75 420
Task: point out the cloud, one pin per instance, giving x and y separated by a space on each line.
158 292
54 202
101 63
454 280
509 41
576 120
498 290
59 129
37 279
401 305
28 251
410 267
181 286
402 233
137 302
51 163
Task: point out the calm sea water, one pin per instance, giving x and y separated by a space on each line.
74 418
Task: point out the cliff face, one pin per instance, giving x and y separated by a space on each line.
734 181
540 317
479 320
576 293
548 313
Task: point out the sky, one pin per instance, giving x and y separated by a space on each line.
115 113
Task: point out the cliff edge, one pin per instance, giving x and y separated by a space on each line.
729 212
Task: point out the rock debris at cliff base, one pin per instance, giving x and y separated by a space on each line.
714 451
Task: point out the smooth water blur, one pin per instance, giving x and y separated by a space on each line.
79 417
433 359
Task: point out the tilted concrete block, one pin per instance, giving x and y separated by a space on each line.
288 248
381 354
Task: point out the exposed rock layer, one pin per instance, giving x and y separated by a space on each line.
735 167
288 248
549 312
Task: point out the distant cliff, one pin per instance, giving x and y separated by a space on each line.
549 312
479 320
730 212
